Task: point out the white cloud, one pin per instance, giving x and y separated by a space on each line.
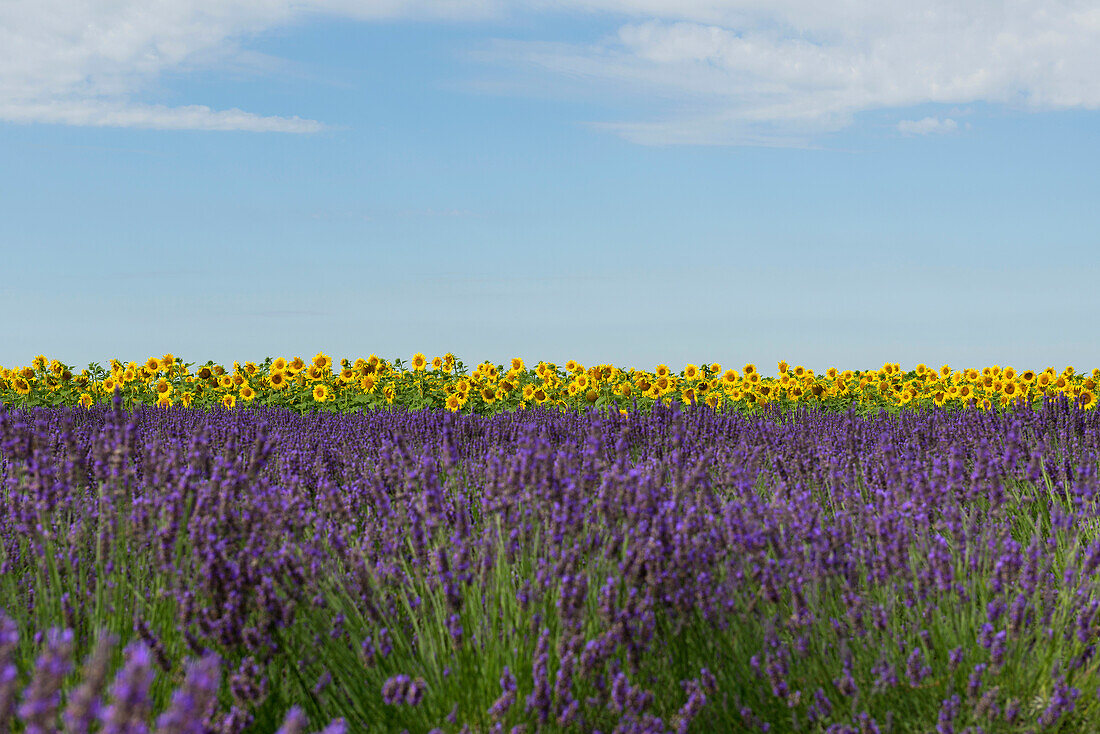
86 62
758 72
927 126
780 70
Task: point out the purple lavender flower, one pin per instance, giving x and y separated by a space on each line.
507 697
43 697
130 707
295 722
85 705
195 700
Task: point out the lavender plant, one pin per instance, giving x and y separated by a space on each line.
673 571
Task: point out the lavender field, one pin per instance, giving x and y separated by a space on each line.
178 570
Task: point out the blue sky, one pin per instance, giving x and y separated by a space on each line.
615 181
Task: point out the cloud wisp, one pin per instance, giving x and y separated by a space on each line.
87 62
928 126
779 72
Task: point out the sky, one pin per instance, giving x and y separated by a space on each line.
629 182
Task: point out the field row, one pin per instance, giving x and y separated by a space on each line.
446 383
552 571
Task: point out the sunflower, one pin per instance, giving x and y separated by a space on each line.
322 361
488 394
799 371
528 392
347 375
691 371
688 397
152 365
390 393
367 384
453 403
109 385
517 365
419 362
783 366
248 393
164 402
572 366
541 396
661 371
314 373
186 398
225 382
163 388
625 389
21 386
296 365
279 365
1087 399
730 377
168 361
320 393
277 380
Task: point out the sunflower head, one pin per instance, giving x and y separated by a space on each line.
277 380
229 401
320 393
152 365
419 362
691 371
86 400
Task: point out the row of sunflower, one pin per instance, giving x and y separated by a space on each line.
445 382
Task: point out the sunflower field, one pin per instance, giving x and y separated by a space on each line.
446 383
